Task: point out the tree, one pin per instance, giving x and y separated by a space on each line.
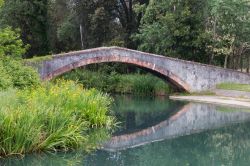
174 28
95 19
31 18
63 26
10 43
129 18
229 24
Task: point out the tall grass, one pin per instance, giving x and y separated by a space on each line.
142 84
51 118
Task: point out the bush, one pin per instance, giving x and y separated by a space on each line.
51 117
5 79
14 74
10 43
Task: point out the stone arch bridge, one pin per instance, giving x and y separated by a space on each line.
185 75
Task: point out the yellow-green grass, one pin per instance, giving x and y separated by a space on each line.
233 86
51 118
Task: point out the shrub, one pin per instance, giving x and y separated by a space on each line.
5 79
14 74
10 43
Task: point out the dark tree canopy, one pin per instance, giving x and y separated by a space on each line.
208 31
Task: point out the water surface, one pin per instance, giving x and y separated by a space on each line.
157 131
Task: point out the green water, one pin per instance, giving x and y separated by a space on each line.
157 131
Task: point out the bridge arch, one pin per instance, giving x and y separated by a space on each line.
185 75
150 67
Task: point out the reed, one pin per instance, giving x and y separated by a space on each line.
52 117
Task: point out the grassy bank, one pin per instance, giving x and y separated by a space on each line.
51 118
233 86
141 84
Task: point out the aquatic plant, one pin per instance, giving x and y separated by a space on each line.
52 117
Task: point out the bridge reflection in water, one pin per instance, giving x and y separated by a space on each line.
191 118
173 133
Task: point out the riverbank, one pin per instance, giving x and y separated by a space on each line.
218 100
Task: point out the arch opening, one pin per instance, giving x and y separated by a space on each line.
173 80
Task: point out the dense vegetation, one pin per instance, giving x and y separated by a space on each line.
12 72
140 84
38 117
208 31
51 117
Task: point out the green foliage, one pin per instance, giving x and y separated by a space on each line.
68 34
51 118
10 43
31 18
1 3
174 28
229 22
203 31
5 79
22 76
14 74
120 83
208 31
82 24
233 86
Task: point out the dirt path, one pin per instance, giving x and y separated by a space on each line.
219 100
231 93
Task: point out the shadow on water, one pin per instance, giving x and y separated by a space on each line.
157 131
137 112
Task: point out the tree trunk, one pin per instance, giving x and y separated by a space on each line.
238 62
81 36
248 63
225 62
241 62
211 59
230 62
